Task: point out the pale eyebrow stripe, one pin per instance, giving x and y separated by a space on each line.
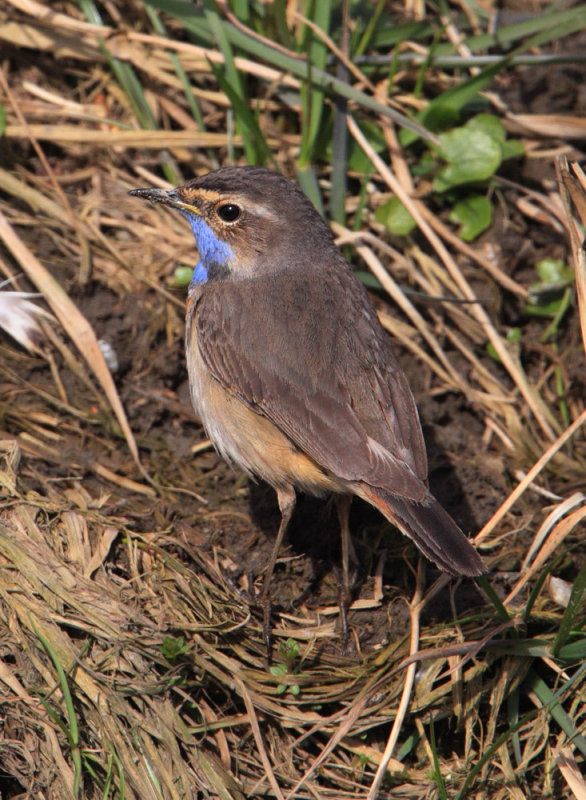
262 211
215 197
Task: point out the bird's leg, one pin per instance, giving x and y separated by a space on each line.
343 502
286 500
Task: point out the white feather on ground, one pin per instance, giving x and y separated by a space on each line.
18 317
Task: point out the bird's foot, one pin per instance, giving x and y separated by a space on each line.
267 630
257 600
345 597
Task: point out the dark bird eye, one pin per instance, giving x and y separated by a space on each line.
229 213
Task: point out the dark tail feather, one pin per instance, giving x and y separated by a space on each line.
432 529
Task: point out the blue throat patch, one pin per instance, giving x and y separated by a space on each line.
213 252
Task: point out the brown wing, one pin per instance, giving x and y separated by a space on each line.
308 352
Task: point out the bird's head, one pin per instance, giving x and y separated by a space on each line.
247 221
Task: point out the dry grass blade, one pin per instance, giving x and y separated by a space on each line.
574 521
404 303
259 742
554 125
415 614
571 772
573 188
530 477
64 134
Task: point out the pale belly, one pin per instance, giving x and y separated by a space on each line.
249 440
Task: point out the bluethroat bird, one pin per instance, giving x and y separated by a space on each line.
290 371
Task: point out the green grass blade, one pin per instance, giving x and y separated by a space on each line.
313 95
445 108
264 51
513 719
160 29
231 83
575 607
308 182
487 755
241 9
494 598
551 701
568 21
573 653
218 30
437 770
371 27
126 76
256 149
122 71
279 16
339 164
340 145
73 729
536 590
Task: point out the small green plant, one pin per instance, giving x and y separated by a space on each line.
173 647
462 164
551 295
513 337
395 217
289 650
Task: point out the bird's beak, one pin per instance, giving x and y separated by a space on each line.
167 198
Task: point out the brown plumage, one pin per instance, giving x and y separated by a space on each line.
290 370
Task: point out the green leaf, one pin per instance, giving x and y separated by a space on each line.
358 161
289 649
395 217
445 109
553 271
512 148
549 304
553 303
489 124
552 296
438 117
473 214
513 337
427 164
472 156
2 119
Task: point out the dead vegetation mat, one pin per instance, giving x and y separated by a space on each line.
132 660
